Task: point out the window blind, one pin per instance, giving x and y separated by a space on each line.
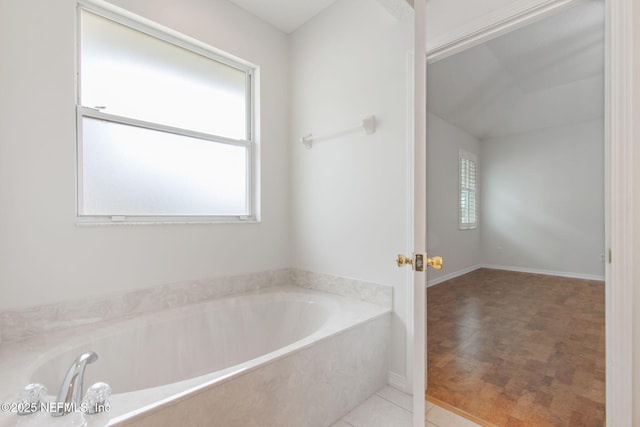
468 198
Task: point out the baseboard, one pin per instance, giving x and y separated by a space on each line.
398 382
547 272
453 275
512 268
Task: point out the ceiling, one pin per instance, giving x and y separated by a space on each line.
286 15
289 15
547 74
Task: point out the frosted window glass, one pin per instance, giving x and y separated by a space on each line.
127 170
135 75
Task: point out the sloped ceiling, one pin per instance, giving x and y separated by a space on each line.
289 15
286 15
547 74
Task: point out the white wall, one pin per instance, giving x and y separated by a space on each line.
542 200
44 256
349 193
635 205
460 249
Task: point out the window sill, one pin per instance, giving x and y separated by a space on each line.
106 221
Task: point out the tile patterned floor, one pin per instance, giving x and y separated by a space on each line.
392 408
518 349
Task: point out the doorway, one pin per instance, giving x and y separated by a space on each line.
529 101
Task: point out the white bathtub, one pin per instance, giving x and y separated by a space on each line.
278 357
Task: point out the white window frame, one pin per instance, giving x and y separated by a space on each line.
466 156
168 35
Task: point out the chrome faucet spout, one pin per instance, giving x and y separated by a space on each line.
70 394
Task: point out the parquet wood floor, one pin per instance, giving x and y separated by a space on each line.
518 349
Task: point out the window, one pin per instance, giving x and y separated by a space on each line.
165 126
468 173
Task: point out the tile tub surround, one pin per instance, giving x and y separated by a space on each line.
358 289
25 323
352 344
20 324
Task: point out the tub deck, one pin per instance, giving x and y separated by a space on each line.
19 361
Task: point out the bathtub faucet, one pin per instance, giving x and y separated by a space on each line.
70 394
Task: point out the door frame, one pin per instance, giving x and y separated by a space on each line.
619 190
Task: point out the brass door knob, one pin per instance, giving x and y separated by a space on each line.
417 263
435 262
403 260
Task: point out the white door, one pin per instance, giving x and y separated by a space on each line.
418 261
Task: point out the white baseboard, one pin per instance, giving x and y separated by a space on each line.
398 382
512 268
453 275
547 272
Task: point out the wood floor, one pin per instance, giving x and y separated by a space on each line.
518 349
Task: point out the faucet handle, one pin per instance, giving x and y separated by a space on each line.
97 398
30 397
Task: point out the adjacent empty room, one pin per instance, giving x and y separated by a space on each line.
515 169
